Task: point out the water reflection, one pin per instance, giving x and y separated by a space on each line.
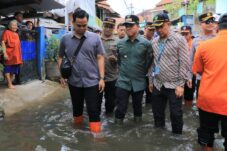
49 128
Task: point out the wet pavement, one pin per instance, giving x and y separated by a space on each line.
49 128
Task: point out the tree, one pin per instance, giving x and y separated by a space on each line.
173 8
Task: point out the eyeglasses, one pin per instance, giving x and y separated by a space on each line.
209 21
109 26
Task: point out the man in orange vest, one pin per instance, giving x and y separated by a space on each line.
211 62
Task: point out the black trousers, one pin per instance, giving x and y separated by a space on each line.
90 95
197 88
110 97
122 99
148 93
175 106
209 124
189 92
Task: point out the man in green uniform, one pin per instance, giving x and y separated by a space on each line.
134 58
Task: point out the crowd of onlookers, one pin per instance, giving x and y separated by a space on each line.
11 57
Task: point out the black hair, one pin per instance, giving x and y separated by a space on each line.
27 22
141 32
17 13
80 13
119 25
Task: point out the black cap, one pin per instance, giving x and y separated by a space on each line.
159 19
131 19
223 19
206 16
109 20
186 29
149 25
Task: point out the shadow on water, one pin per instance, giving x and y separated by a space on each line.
49 128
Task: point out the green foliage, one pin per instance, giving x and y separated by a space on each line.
173 8
1 67
192 7
210 2
52 48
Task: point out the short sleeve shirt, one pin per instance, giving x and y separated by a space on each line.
85 72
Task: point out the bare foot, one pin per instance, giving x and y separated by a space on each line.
12 87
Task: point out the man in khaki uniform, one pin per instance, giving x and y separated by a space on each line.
111 71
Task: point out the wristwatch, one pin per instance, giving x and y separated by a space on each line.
101 78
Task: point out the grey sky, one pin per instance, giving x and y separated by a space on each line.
139 5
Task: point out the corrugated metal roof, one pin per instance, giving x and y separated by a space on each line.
8 7
164 2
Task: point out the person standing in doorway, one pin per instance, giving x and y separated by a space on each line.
19 18
87 78
12 54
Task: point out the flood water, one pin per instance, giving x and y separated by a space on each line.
49 127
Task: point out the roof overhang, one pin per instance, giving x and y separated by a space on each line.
8 7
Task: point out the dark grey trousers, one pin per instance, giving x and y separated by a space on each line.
159 102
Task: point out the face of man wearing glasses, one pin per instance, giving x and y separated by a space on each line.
131 29
208 25
80 25
108 29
